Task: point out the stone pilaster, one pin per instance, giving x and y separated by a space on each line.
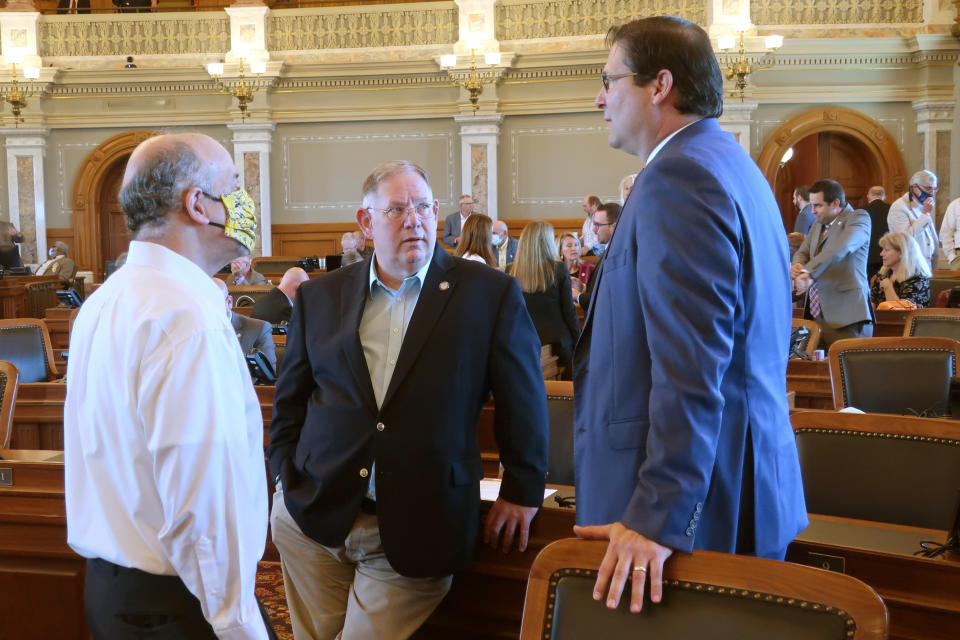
252 142
479 138
25 151
737 117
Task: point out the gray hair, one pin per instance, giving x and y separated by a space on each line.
924 178
158 185
388 170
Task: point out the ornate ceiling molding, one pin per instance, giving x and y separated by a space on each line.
836 12
530 19
126 35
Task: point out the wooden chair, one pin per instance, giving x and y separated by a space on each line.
705 595
811 343
9 378
894 375
932 323
26 343
247 295
560 453
40 297
898 469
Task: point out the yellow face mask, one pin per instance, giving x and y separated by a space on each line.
241 217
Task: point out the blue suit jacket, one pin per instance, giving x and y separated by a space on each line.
682 361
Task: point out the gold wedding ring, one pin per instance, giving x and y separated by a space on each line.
643 569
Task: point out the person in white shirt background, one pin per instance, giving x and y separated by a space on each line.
163 435
914 212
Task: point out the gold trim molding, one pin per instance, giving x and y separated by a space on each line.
532 19
792 12
405 25
125 35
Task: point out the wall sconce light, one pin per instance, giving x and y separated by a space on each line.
240 89
740 68
14 96
473 83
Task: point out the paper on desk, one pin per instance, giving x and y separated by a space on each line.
490 490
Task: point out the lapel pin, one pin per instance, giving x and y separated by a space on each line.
444 285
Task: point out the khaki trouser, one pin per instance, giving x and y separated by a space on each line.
349 592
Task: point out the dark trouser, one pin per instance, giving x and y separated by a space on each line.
830 335
124 603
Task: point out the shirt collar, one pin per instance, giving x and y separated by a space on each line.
420 275
664 142
156 256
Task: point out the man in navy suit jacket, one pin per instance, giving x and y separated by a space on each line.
682 433
374 435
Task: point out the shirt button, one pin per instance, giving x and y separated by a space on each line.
396 330
381 426
393 362
364 473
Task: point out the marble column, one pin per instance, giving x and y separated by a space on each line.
251 155
935 128
25 150
737 119
479 137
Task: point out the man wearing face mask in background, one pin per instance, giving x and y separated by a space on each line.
163 435
504 247
914 212
58 264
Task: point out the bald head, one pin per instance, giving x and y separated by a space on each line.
876 192
159 172
291 281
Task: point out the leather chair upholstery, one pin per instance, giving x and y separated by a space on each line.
898 469
894 375
706 595
9 378
933 323
560 453
26 343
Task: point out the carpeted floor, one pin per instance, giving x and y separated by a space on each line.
271 594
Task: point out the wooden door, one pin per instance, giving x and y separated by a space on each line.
114 236
832 155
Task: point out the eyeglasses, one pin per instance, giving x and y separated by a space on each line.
423 210
597 225
605 79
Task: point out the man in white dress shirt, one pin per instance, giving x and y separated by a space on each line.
914 212
163 436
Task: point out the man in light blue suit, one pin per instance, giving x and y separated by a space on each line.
682 433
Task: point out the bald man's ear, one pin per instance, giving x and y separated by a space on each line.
194 206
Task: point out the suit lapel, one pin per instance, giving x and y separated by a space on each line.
438 286
353 298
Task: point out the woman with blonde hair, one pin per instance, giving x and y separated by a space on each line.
545 283
579 270
905 274
476 240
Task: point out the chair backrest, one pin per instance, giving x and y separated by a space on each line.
899 469
26 343
560 409
941 283
894 375
9 378
40 297
932 323
813 339
247 295
705 595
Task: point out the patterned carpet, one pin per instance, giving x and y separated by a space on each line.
271 594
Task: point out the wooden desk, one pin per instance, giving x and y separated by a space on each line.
41 578
890 324
38 415
13 294
810 382
922 594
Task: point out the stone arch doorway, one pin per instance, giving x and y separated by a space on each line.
93 192
848 146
